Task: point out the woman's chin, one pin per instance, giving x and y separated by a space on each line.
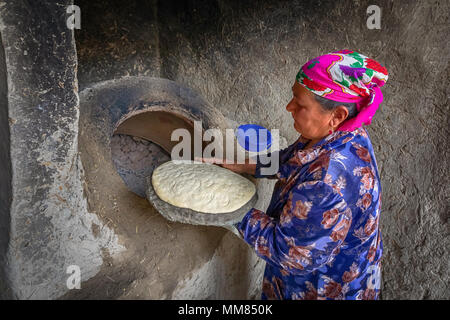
297 128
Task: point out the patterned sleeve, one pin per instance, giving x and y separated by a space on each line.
313 224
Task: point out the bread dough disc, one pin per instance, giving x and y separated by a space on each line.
201 186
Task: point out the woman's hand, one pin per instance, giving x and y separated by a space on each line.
235 167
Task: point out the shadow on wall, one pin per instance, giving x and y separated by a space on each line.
5 176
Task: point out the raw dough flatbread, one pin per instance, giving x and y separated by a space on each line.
201 186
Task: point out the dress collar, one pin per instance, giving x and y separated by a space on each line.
329 142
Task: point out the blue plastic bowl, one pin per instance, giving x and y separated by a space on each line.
251 139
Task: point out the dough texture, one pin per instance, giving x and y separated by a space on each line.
201 186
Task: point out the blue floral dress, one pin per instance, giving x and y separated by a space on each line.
320 236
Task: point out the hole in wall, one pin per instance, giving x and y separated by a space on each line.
134 159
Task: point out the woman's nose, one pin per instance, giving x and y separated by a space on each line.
290 106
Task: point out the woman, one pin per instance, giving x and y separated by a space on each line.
319 235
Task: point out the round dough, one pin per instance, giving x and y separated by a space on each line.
201 186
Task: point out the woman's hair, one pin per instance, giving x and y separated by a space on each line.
330 105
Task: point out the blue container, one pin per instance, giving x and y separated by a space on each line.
252 137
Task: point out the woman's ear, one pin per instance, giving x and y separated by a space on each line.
339 116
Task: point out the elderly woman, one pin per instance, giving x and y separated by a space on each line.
320 235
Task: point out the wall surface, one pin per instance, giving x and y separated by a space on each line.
48 225
242 58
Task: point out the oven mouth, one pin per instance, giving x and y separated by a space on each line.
142 142
126 128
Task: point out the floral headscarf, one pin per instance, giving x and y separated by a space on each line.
346 76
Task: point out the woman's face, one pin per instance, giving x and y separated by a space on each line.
310 119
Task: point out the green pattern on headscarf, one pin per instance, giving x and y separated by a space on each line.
360 60
344 83
313 64
301 74
369 72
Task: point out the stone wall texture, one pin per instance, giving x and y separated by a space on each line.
48 225
241 57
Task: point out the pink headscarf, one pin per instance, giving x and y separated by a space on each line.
346 76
